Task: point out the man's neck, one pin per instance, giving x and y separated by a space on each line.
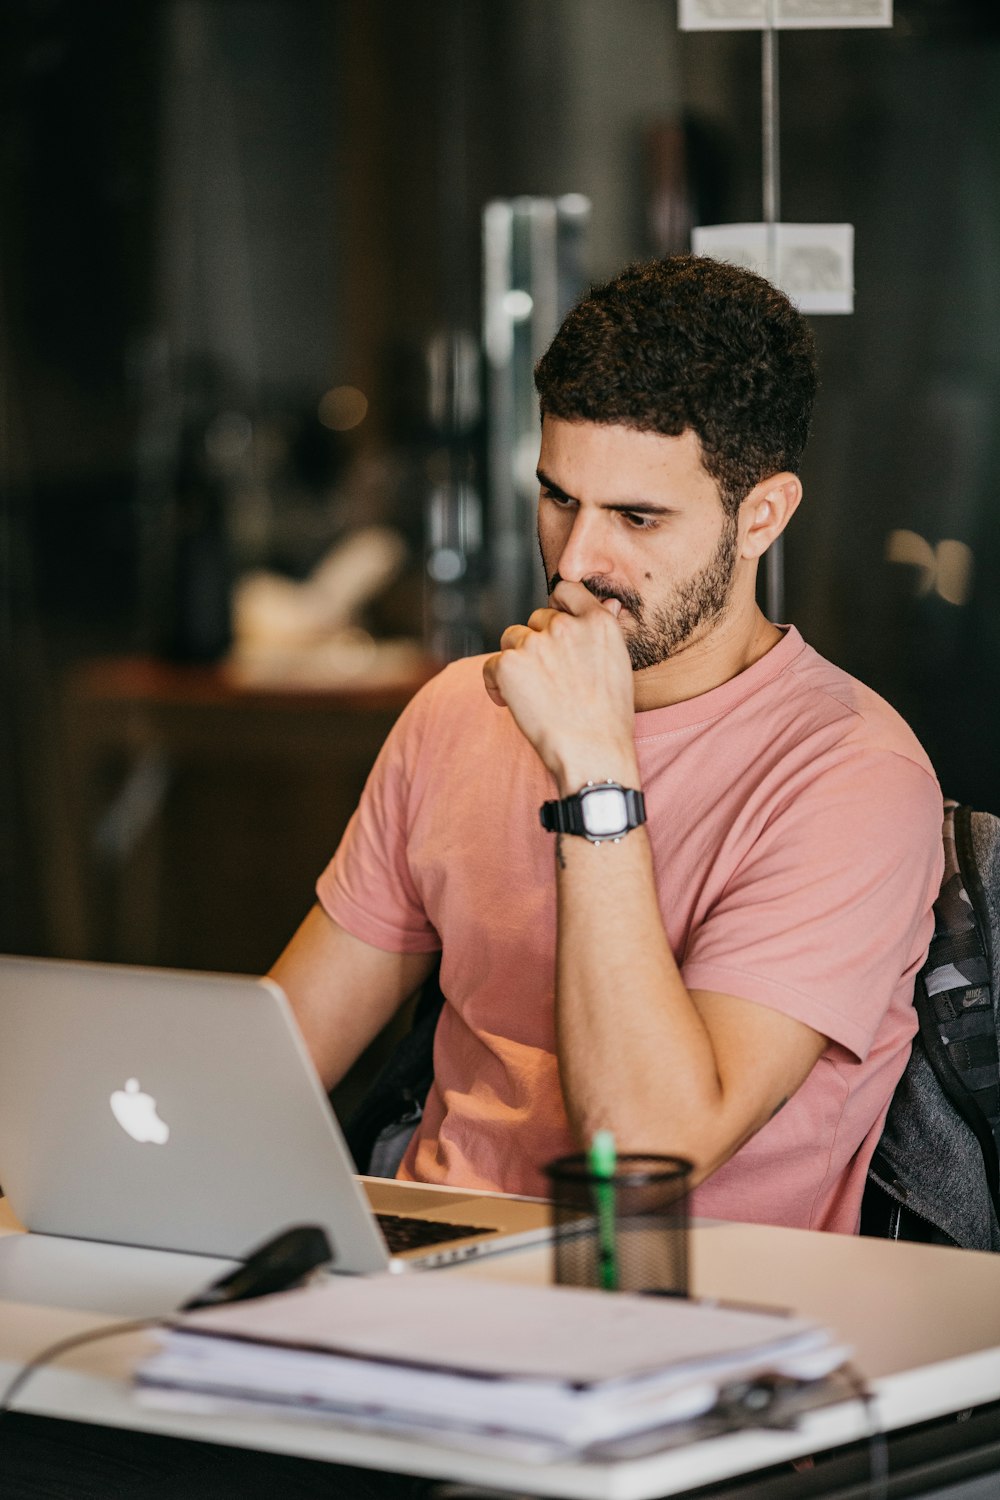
734 644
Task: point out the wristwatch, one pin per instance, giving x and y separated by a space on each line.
601 812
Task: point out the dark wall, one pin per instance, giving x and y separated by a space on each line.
222 206
906 437
896 132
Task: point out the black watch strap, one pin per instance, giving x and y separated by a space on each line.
566 815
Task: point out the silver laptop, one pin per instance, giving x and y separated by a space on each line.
181 1111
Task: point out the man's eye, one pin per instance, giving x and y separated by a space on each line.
638 520
563 500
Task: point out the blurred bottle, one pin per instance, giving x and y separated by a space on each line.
197 578
453 517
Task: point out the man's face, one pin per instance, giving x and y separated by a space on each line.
635 516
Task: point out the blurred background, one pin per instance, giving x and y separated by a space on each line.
272 277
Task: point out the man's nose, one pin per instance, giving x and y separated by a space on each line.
585 552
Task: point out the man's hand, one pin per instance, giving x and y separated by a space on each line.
567 679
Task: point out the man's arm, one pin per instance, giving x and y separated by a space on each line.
666 1069
342 990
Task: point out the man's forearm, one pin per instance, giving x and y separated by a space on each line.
688 1073
635 1056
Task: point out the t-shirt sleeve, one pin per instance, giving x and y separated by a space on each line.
368 886
829 915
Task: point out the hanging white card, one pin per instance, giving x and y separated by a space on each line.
783 15
813 263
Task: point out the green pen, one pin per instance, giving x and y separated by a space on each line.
601 1160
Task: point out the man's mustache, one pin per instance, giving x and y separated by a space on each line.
597 585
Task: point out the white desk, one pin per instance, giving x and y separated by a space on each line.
924 1322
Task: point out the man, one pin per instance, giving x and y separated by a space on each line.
728 974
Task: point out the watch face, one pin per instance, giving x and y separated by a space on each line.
604 811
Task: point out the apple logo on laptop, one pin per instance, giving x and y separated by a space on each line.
136 1114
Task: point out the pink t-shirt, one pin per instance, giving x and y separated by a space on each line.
795 824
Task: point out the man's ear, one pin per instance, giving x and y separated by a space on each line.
766 512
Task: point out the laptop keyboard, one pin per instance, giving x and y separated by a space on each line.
402 1233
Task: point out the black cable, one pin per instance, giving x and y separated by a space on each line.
878 1447
280 1263
63 1346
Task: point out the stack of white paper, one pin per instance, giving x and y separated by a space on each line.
564 1367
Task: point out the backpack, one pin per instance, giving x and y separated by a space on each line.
379 1130
935 1174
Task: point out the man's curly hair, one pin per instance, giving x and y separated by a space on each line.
689 342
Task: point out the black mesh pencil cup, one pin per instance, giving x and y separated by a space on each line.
626 1231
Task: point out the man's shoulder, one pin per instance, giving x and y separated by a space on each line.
458 683
451 706
863 716
463 672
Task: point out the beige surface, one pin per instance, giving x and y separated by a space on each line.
900 1306
8 1219
924 1322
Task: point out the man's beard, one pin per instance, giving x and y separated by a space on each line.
654 635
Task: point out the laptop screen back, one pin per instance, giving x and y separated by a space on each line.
173 1110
